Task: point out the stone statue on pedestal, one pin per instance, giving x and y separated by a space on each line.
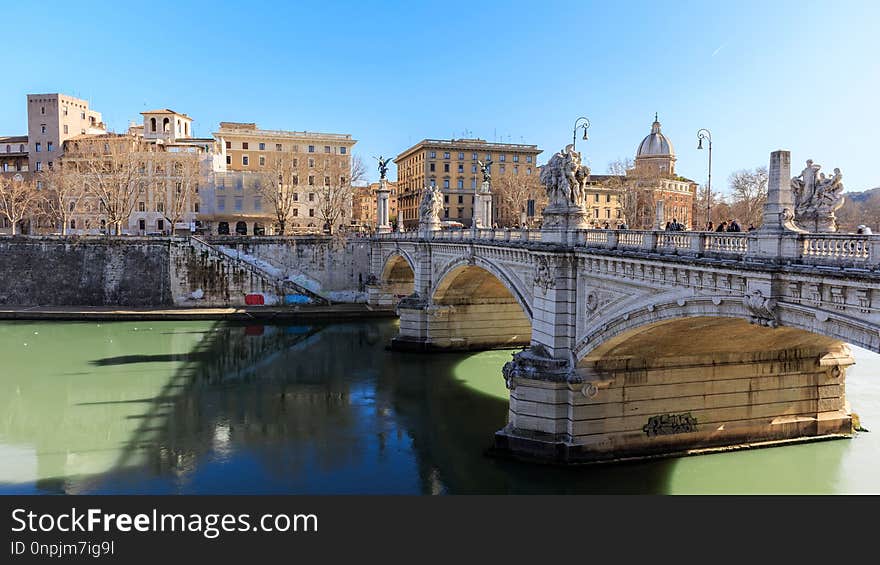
565 179
431 206
817 198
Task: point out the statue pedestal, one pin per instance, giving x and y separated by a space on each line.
561 222
483 207
427 228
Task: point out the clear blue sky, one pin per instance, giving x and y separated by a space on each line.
803 76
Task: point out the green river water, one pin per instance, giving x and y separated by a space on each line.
205 407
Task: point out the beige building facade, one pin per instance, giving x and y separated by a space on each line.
365 215
453 166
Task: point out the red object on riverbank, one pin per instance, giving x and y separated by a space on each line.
254 299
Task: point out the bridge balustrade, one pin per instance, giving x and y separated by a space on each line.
843 250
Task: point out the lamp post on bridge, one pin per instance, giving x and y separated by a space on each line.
701 135
584 126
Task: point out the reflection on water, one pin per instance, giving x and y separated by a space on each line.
192 407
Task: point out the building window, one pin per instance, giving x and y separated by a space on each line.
433 154
342 150
228 144
42 128
516 158
474 183
48 146
446 198
38 147
311 148
445 167
461 199
258 204
311 180
244 144
65 128
431 167
460 156
295 212
311 163
262 146
311 212
326 149
42 109
229 159
326 181
474 156
277 147
503 158
296 196
446 155
446 212
262 160
500 168
460 168
238 204
445 183
529 171
460 183
39 166
160 225
311 197
244 160
65 110
295 181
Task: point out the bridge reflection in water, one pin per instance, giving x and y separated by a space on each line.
199 408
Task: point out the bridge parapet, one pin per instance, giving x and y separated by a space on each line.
820 249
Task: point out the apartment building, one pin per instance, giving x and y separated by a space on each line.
364 206
453 165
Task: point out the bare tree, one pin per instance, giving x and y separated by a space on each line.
637 200
18 200
335 196
513 193
277 186
748 193
65 195
112 169
175 182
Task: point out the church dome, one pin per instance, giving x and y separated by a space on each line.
655 143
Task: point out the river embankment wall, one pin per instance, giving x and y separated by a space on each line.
158 272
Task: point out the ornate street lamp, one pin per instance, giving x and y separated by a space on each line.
701 135
584 126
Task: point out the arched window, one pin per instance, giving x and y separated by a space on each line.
153 124
165 124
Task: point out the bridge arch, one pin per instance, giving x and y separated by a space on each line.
791 320
475 306
398 275
447 280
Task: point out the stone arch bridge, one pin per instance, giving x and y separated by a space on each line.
642 343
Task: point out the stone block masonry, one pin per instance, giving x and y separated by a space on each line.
51 271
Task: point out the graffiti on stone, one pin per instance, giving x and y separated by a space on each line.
669 424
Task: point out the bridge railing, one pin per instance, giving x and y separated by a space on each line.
831 249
